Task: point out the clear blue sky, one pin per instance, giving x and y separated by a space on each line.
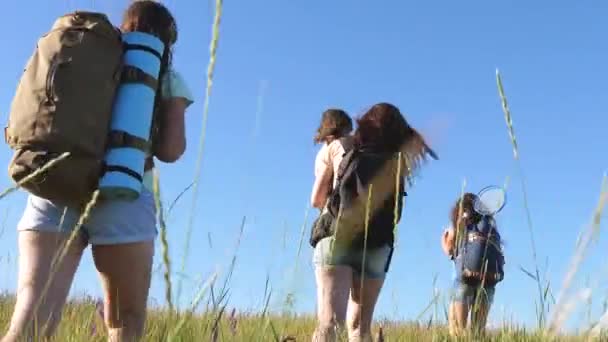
436 60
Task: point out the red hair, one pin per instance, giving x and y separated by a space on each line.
383 128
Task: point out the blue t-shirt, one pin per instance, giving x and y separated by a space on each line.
173 85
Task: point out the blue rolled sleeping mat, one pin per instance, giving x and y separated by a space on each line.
132 113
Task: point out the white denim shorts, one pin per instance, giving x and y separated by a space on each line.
109 223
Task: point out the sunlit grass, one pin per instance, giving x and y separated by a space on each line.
215 37
80 318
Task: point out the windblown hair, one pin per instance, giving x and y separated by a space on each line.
335 124
384 129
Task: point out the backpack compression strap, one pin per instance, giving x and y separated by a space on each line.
118 139
131 74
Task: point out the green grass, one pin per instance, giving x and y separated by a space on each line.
228 326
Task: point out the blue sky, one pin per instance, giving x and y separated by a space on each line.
436 60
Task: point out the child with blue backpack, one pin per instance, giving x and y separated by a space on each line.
474 245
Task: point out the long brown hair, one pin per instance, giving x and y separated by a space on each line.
154 18
335 124
463 212
151 17
383 128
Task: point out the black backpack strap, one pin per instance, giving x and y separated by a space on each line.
346 161
333 202
349 151
347 143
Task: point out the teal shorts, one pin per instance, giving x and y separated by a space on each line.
377 260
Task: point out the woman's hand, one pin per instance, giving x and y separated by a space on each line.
447 242
170 143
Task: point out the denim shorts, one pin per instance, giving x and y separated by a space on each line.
468 294
109 223
377 260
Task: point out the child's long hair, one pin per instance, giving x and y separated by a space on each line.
463 212
154 18
151 17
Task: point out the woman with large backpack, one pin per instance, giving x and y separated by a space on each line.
333 133
121 233
351 259
473 243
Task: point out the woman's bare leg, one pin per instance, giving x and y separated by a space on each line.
36 253
125 272
361 308
333 287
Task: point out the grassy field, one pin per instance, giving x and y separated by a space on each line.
216 322
80 319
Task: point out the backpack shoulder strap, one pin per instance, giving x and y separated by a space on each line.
487 225
349 153
347 143
344 170
347 160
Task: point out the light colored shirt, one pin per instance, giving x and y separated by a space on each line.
173 86
327 163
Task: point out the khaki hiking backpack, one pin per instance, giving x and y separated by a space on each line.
63 103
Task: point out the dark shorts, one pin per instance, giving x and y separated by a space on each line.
468 294
374 266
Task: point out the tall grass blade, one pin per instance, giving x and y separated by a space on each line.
511 131
178 197
210 72
34 174
163 240
197 299
562 309
58 258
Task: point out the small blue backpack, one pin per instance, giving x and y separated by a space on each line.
480 259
